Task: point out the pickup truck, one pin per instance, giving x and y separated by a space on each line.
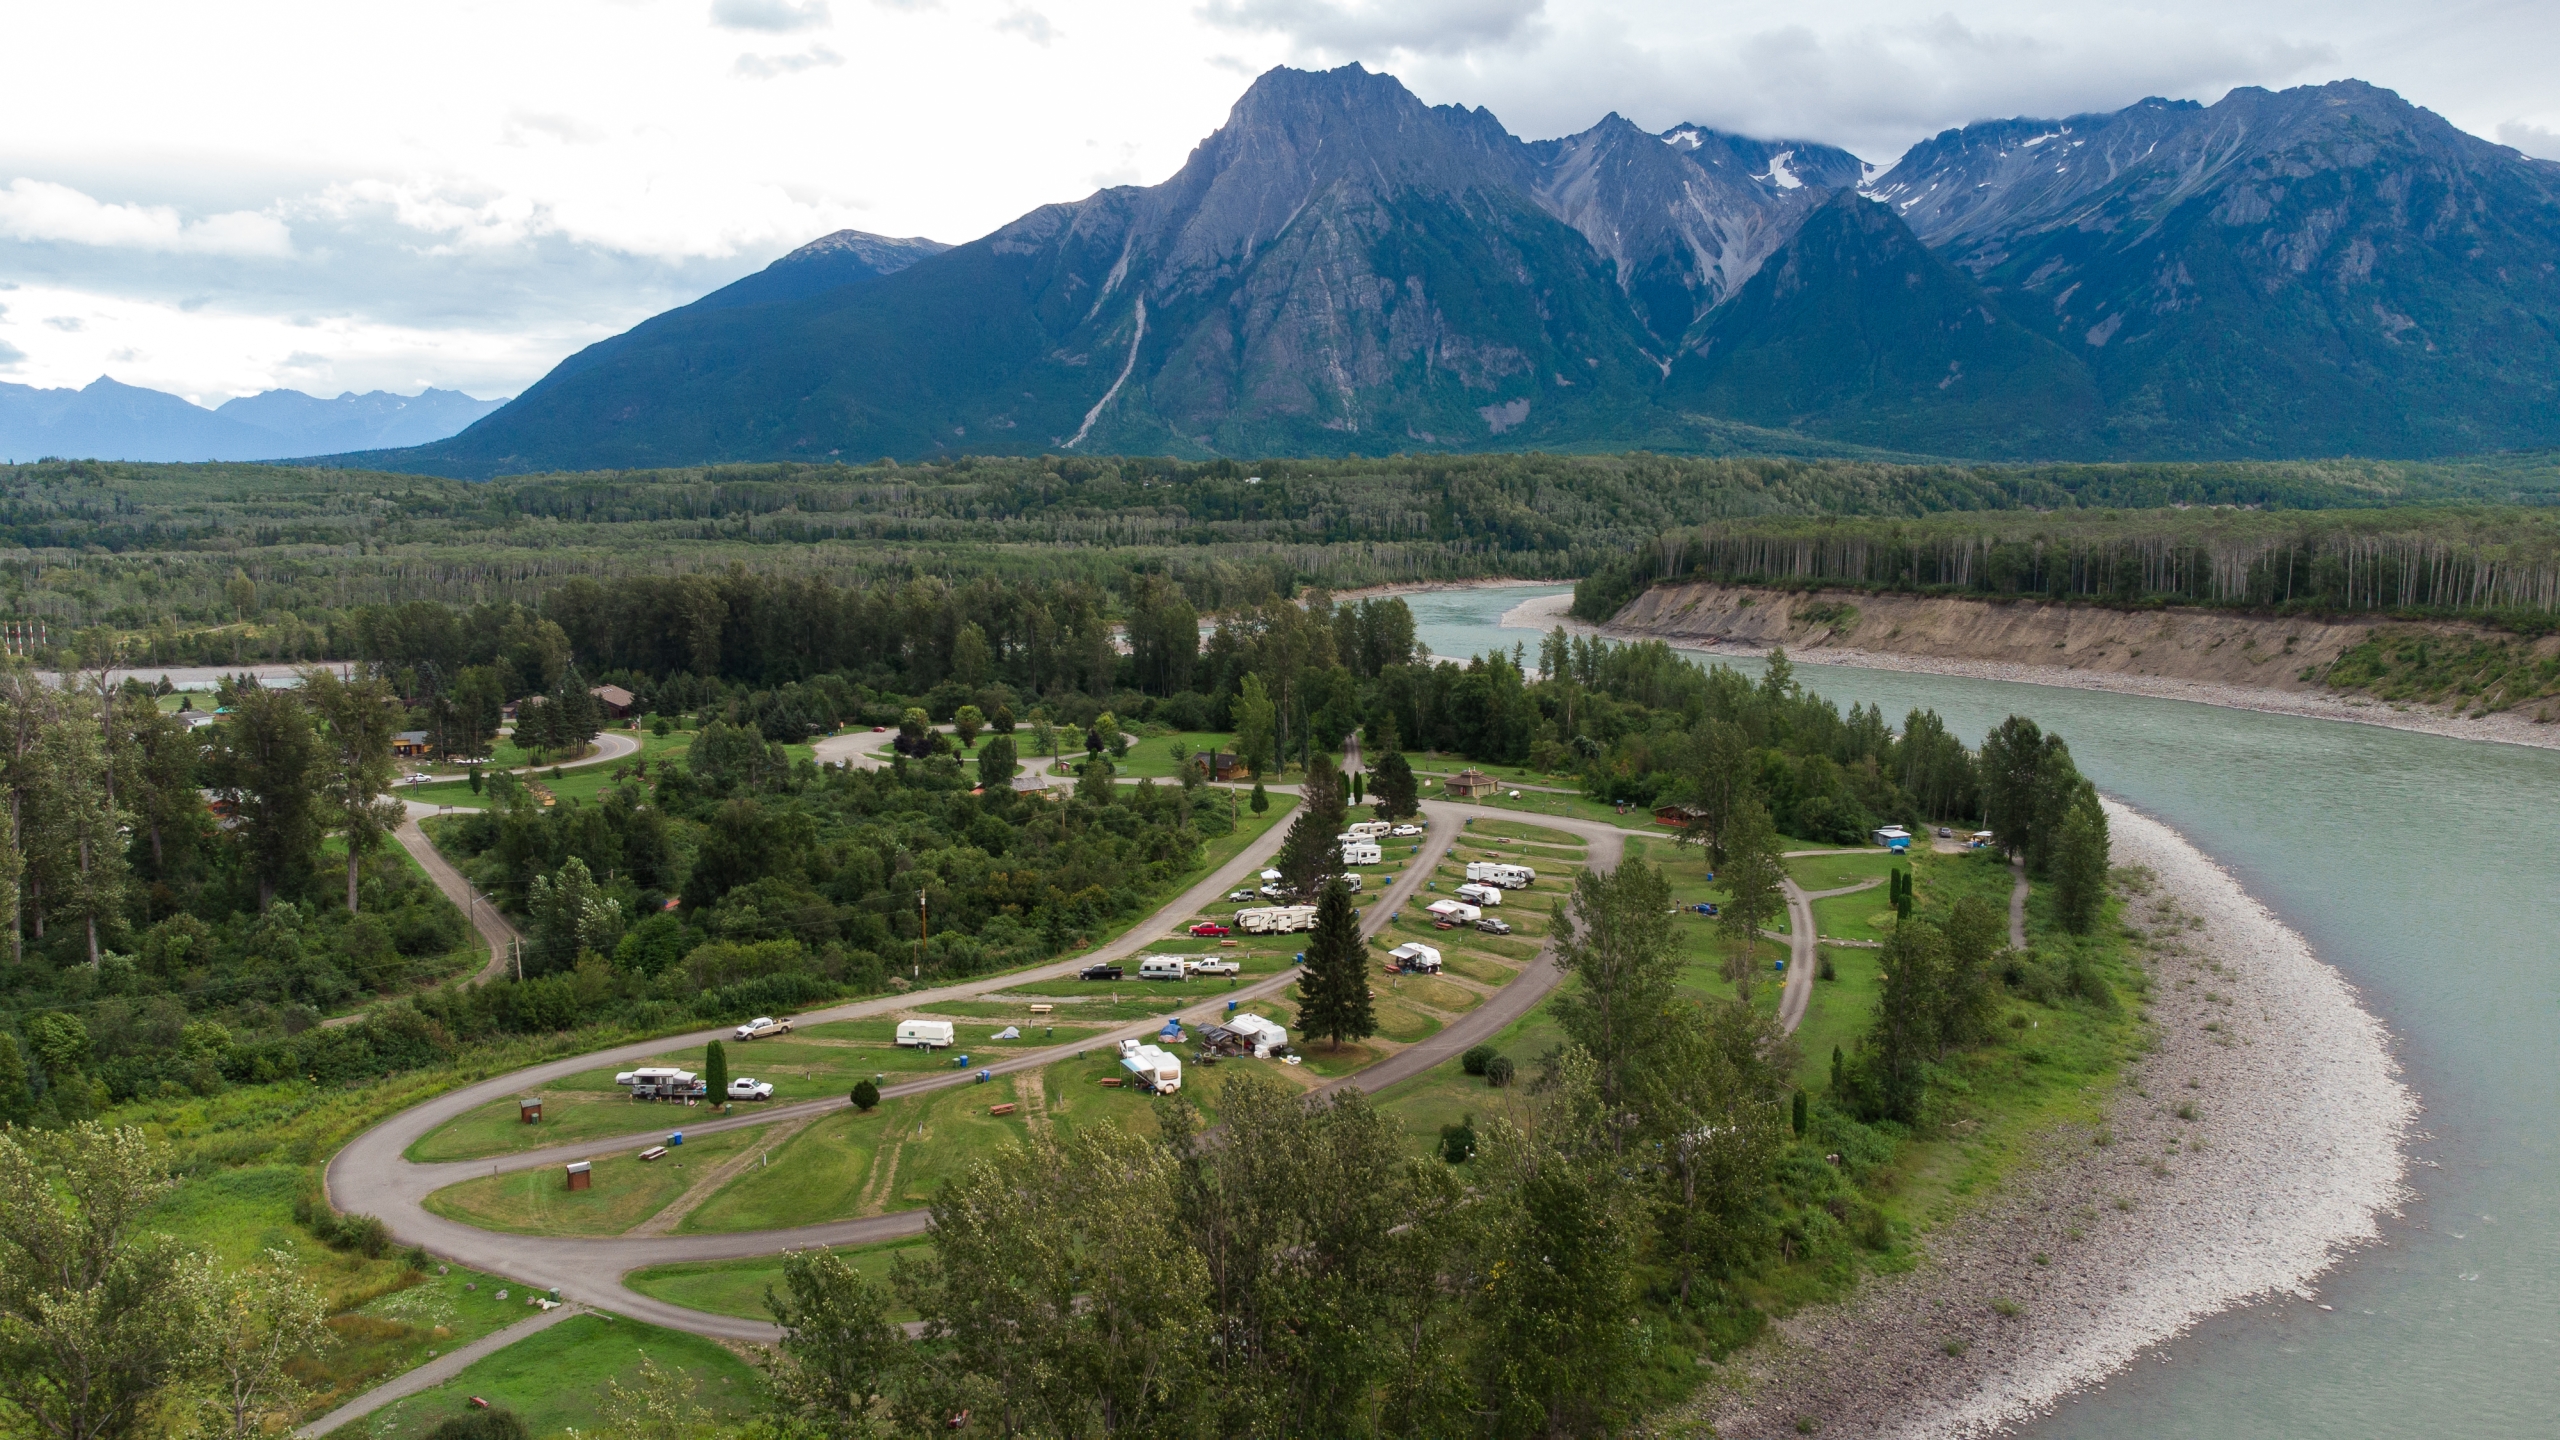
1209 929
1216 967
760 1028
744 1088
1099 972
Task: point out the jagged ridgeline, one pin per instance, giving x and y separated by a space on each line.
227 562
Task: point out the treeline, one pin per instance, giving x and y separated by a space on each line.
2502 565
221 564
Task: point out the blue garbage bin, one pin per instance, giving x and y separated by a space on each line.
985 1075
676 1139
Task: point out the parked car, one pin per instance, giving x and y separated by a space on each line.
1239 894
1491 926
760 1027
1277 891
744 1088
1945 834
1099 972
1216 967
1210 930
1406 830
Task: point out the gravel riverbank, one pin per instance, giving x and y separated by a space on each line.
2289 1156
2507 727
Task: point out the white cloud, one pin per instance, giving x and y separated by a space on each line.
1353 29
766 67
2533 140
41 210
776 17
11 357
1030 24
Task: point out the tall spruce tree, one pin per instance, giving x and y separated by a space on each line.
1391 783
1753 874
1335 989
2080 862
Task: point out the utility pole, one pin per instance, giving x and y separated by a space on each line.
924 931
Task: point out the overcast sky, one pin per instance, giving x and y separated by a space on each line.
221 199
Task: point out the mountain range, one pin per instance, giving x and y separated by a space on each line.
107 420
1341 268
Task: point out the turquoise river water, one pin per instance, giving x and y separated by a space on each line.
2423 868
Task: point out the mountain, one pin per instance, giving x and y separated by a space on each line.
1854 329
375 420
108 420
1341 268
830 262
2325 270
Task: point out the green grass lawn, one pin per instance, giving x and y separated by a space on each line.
386 1317
1842 1010
737 1287
1436 766
1445 1093
626 1190
582 783
1863 916
556 1380
818 1174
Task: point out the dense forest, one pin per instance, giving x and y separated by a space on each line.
224 563
2500 564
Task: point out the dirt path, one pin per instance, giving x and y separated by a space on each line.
708 1183
435 1372
500 936
1033 1096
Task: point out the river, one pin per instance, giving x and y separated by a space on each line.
2416 865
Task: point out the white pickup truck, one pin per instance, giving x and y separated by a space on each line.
1216 967
761 1027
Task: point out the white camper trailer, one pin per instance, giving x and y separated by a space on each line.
1455 912
1154 1069
1415 958
925 1034
1497 872
1480 894
1163 967
1362 852
1266 1035
1276 919
661 1082
1370 829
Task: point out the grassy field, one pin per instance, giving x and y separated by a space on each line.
737 1287
556 1379
386 1317
1840 1012
626 1191
818 1174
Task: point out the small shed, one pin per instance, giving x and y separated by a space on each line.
1677 817
529 1108
1472 783
581 1174
1219 764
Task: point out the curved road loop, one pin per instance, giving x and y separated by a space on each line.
372 1176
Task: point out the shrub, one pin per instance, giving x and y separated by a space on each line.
1458 1142
1474 1061
495 1423
1497 1071
866 1096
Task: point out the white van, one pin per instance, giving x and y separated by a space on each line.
1163 967
1362 852
925 1034
1480 894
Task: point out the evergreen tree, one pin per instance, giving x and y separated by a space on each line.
715 1071
1334 990
1093 784
1261 800
2080 862
262 764
996 764
356 767
1256 724
1908 1016
1753 875
1312 853
1615 933
1399 796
